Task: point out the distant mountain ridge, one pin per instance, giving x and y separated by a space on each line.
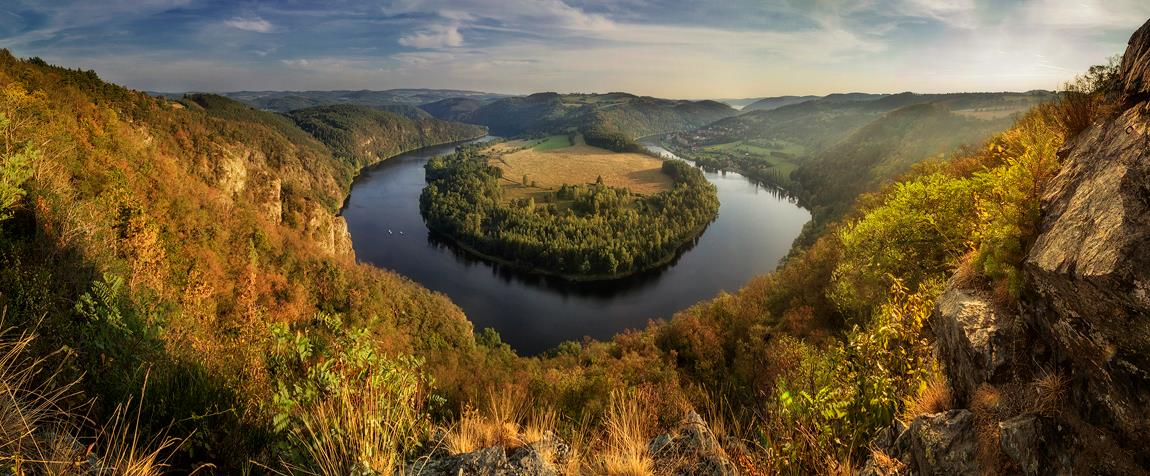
283 101
768 103
549 112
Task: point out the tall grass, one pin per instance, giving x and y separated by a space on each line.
127 452
363 426
41 434
37 433
626 451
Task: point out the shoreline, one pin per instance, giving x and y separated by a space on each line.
362 170
576 278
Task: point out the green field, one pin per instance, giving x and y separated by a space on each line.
552 143
778 153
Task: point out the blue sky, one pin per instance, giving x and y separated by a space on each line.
668 48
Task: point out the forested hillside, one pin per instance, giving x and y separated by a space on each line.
178 252
767 104
364 135
827 151
284 101
633 116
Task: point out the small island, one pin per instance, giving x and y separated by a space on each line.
560 207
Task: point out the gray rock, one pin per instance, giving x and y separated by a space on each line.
973 340
943 444
536 459
1135 70
1020 439
1090 266
691 450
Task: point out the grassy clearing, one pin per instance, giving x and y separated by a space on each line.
778 153
552 143
547 169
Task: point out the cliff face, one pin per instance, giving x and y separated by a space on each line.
1059 384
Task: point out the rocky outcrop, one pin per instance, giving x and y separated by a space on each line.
936 444
1061 384
541 458
691 450
328 231
1090 267
1136 65
974 339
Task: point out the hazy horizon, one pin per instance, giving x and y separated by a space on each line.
662 48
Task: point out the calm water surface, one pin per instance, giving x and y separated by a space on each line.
754 230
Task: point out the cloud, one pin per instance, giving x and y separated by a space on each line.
258 25
438 36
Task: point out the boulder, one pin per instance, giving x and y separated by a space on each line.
974 340
691 450
943 443
937 444
535 459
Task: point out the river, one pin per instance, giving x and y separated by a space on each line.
753 231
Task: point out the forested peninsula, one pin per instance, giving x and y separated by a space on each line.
586 231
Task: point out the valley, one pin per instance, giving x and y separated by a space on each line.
385 252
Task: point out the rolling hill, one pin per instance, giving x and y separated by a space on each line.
633 116
766 104
283 101
364 134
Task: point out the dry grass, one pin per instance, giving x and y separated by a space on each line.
577 164
626 451
933 397
496 425
126 452
39 435
1046 394
886 464
363 427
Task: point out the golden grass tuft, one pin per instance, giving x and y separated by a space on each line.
1046 394
39 435
498 424
886 464
362 427
126 452
626 451
933 397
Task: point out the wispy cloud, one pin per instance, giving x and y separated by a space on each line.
680 48
438 36
258 25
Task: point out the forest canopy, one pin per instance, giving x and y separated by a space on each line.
581 231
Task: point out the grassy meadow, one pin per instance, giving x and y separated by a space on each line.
554 161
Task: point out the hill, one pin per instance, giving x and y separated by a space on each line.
181 263
766 104
886 148
366 135
544 113
738 103
805 147
192 231
283 101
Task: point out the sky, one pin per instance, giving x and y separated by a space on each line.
666 48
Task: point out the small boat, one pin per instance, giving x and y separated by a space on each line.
389 232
